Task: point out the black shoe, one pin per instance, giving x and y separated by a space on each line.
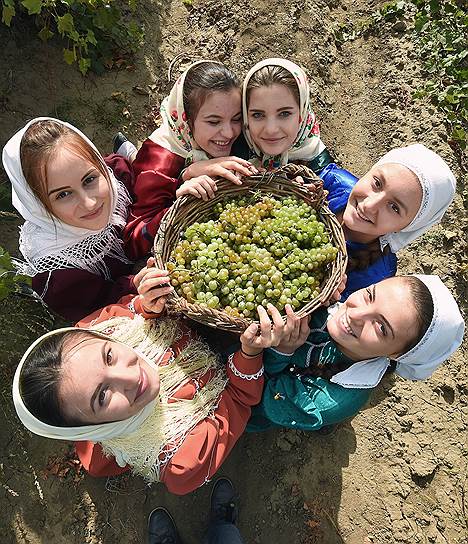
223 502
118 140
161 528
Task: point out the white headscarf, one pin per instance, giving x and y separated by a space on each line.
443 336
95 432
47 243
307 144
147 440
438 188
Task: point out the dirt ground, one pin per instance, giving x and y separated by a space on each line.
396 473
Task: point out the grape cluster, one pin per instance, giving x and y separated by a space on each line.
255 251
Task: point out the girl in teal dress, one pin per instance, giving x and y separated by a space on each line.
324 371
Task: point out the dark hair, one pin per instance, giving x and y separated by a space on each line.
201 81
40 376
424 306
360 259
272 75
39 145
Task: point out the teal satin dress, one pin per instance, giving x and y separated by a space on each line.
305 402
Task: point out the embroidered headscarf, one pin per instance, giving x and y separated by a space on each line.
307 144
438 188
175 133
147 440
443 336
47 243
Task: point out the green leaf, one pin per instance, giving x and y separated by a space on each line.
106 18
69 55
7 14
33 6
90 37
45 34
5 261
65 24
84 65
73 35
458 134
19 278
4 291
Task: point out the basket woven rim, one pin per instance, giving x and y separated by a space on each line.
268 183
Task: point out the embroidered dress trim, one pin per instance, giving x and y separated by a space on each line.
281 353
249 377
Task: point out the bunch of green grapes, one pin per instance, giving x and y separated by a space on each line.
256 251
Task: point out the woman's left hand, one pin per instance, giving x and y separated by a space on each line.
253 344
154 287
336 295
202 187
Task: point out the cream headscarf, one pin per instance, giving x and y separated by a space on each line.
438 188
175 133
47 243
443 336
147 440
307 144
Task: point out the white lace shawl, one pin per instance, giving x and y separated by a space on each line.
48 244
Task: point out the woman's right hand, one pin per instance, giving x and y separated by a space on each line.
229 168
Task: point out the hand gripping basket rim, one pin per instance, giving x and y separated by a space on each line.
189 209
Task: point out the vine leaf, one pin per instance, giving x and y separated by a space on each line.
90 37
45 34
7 14
69 55
84 65
65 24
33 6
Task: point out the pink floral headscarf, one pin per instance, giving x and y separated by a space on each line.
307 144
175 134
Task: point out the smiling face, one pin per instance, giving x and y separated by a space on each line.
104 381
371 322
385 200
218 122
78 193
273 117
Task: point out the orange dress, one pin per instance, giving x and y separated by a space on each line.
209 443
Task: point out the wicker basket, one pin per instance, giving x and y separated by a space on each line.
188 210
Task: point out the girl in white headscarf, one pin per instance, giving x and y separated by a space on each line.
74 209
404 194
279 123
324 373
138 390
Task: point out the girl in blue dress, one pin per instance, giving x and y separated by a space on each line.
406 192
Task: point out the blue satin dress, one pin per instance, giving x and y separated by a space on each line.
339 183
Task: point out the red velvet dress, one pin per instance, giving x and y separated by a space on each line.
209 443
156 181
74 293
